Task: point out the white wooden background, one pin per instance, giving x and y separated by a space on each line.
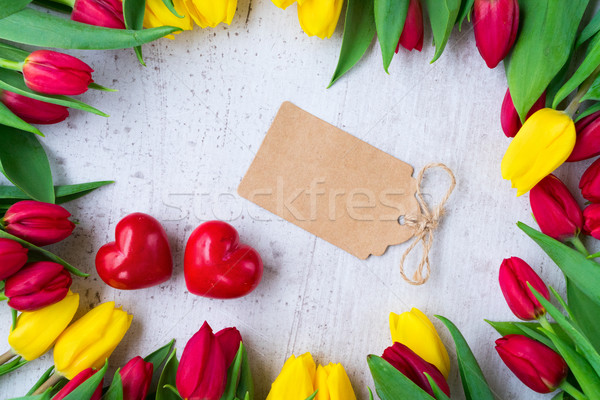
182 133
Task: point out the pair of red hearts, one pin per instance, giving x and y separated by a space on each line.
216 265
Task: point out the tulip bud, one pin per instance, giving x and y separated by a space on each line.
496 23
590 183
591 215
78 380
90 340
136 377
319 17
296 379
535 364
13 257
415 330
229 339
412 33
202 371
588 138
555 210
37 285
333 383
157 14
50 72
211 13
36 331
509 118
107 13
414 367
38 223
33 111
542 145
514 276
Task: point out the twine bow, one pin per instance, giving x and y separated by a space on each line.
425 225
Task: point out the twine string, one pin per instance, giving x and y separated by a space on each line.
425 224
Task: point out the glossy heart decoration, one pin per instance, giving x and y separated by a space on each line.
140 256
216 265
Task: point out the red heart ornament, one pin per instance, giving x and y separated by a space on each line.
140 256
216 265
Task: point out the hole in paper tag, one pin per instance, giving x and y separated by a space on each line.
332 184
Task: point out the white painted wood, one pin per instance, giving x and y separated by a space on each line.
182 133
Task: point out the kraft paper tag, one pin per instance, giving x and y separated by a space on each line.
332 184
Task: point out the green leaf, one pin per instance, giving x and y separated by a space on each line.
558 396
529 329
13 82
465 12
246 383
359 31
581 369
89 386
370 394
62 194
590 30
12 53
9 119
133 14
158 356
439 393
312 396
442 16
593 92
585 313
52 5
584 273
547 33
40 381
390 16
537 336
96 86
473 381
50 256
589 64
573 330
391 384
590 110
37 28
169 4
25 163
233 375
43 396
12 365
115 390
167 378
9 7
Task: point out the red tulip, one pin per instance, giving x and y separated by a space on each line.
414 367
136 377
588 138
590 182
535 364
412 33
75 382
592 220
509 118
50 72
107 13
496 23
37 285
38 223
555 210
33 111
202 372
13 257
229 339
514 276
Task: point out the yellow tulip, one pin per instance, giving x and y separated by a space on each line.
286 3
542 144
90 340
414 330
333 383
319 17
36 331
211 12
295 381
157 14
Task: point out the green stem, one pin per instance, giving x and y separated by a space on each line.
69 3
583 89
14 318
10 64
543 320
579 246
572 390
